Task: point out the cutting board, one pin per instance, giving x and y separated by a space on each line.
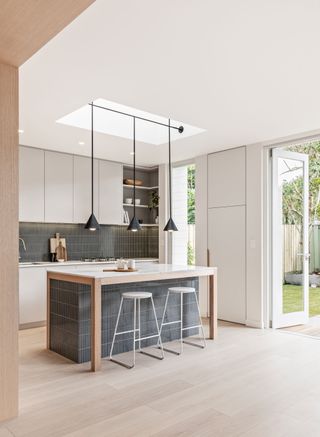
60 245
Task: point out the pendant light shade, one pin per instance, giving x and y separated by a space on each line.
92 224
134 225
170 226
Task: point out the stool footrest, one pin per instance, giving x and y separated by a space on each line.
126 332
146 338
191 327
171 323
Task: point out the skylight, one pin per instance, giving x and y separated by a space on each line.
110 123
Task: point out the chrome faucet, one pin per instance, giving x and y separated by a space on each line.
23 244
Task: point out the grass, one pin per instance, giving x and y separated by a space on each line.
292 299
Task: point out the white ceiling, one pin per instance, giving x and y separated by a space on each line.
245 71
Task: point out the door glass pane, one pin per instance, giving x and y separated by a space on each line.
291 188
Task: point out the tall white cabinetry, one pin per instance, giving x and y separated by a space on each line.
31 185
58 187
227 230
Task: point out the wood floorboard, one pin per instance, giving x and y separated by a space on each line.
246 383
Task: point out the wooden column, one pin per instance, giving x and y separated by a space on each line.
9 272
95 325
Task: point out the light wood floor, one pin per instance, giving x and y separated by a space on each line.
312 328
247 383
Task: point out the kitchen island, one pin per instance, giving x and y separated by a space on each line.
82 305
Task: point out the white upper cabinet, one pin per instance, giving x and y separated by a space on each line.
226 178
110 193
82 189
31 185
58 187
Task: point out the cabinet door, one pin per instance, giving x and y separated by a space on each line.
31 185
32 295
58 187
226 178
110 193
226 243
82 189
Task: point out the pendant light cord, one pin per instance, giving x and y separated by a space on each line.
170 183
134 166
92 190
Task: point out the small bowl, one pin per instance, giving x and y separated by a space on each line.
60 260
128 201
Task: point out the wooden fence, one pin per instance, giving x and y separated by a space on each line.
292 246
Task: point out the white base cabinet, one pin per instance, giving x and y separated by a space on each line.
32 295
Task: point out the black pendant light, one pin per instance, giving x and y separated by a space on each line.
134 225
92 224
170 226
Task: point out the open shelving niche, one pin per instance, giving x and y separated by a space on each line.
150 179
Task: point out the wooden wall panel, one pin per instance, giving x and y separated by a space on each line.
8 241
27 25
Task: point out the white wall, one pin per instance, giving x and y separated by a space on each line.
180 215
201 206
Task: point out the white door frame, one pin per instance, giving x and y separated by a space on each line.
279 319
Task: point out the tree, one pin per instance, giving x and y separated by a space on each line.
191 194
292 190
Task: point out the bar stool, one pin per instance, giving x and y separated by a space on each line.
182 291
136 297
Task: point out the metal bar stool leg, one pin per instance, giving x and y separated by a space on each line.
128 366
202 346
139 324
163 323
181 323
116 328
163 317
158 335
134 330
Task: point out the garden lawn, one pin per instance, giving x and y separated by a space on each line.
292 299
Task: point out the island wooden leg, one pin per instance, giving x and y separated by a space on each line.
48 311
213 319
95 325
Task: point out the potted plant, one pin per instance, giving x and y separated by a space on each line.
154 205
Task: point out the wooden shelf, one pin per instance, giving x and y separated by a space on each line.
140 187
137 206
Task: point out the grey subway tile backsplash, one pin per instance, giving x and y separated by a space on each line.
109 241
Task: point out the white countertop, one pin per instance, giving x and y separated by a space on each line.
149 270
78 263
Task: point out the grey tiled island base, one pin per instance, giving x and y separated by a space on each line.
70 316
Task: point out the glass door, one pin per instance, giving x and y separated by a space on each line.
290 238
